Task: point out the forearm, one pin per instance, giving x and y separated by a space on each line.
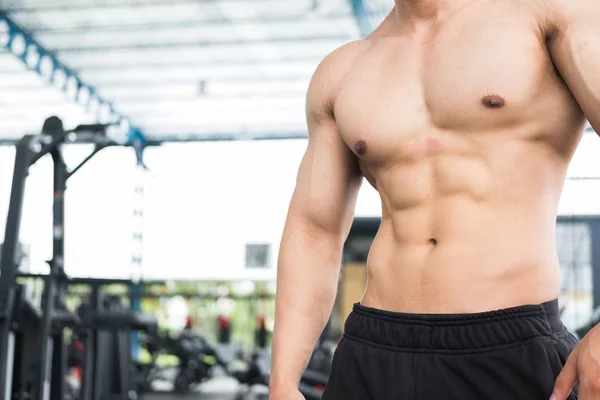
308 273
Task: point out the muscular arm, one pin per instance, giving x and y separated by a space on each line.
575 49
318 222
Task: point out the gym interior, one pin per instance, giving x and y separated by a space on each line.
148 153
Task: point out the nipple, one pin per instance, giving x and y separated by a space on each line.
493 101
360 147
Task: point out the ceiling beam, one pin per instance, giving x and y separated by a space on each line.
25 6
132 5
114 81
188 85
158 65
217 22
234 54
52 70
268 71
226 33
150 96
178 11
210 44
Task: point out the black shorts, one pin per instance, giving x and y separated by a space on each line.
510 354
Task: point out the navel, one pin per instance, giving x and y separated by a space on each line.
433 242
360 147
493 101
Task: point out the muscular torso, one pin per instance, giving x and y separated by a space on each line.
466 131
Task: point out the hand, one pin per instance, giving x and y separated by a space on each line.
583 366
285 394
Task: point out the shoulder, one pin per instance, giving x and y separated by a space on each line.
347 52
330 74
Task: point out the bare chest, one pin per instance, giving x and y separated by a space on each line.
474 75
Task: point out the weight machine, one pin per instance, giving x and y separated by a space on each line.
49 322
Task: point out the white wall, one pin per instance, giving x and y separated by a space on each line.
98 217
204 202
582 197
208 200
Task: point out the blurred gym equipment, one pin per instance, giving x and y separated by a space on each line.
33 345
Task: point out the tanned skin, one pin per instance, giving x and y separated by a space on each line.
464 116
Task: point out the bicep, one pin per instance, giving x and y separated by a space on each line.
328 180
329 177
575 51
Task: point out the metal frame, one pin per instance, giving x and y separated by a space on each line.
97 377
29 150
8 261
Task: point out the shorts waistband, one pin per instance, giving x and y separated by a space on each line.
452 332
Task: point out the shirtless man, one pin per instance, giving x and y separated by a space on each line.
464 115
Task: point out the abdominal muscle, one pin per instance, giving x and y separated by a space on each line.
483 245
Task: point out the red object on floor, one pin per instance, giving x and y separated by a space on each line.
223 321
189 322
